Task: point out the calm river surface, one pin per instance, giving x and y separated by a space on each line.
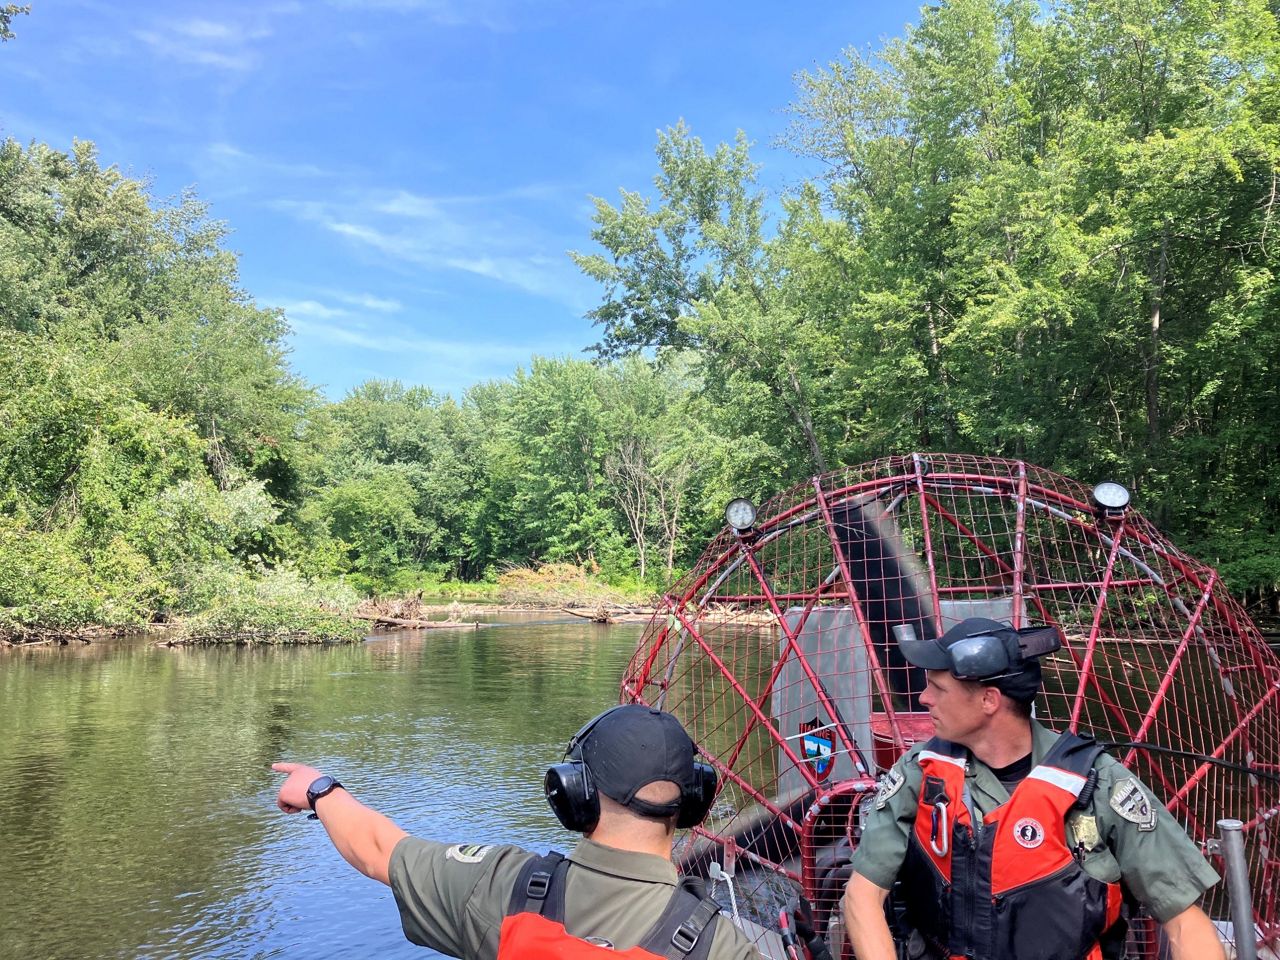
137 812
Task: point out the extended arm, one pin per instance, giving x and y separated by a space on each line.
864 920
1192 936
364 837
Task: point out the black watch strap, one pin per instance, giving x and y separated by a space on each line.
321 787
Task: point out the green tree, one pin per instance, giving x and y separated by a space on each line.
7 13
1061 217
696 272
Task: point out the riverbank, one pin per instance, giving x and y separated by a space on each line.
283 608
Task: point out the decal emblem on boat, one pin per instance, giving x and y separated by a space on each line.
819 747
890 784
1130 801
467 852
1028 832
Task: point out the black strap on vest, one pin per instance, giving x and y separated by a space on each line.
537 889
678 933
1077 754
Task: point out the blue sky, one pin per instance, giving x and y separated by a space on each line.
405 177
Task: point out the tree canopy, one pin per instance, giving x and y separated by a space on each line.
1044 231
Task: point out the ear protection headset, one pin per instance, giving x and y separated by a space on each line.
571 790
985 656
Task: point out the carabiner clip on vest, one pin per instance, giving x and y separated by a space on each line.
940 828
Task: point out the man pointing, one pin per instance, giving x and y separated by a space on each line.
629 778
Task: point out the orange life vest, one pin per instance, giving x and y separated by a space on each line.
534 929
1011 887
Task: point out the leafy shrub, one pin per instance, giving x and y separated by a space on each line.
280 605
49 580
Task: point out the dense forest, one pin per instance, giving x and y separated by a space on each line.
1045 231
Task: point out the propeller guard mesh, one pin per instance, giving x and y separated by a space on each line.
777 653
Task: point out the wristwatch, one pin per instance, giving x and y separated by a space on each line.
320 787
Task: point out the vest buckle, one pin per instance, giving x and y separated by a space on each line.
685 938
538 886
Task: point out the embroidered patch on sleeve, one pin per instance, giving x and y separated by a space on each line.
890 784
467 852
1130 801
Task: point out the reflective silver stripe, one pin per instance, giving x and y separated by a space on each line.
930 755
1073 783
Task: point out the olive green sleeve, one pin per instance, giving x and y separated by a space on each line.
730 943
1160 866
888 824
452 897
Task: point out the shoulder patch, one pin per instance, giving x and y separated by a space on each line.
467 852
890 784
1132 803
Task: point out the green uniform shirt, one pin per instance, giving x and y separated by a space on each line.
1138 844
454 898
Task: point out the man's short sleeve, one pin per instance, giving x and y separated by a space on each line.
887 828
1160 866
730 943
452 897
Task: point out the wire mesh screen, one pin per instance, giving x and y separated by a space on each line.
779 652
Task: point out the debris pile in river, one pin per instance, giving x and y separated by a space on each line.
563 586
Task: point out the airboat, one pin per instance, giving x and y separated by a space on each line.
779 653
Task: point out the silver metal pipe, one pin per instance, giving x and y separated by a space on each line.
1231 833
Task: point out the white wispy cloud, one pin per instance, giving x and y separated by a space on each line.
174 45
366 301
199 29
309 308
497 16
448 365
228 158
487 236
230 45
353 305
503 354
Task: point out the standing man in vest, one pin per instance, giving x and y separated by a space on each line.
630 777
1010 840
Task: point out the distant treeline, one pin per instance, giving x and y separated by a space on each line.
1047 233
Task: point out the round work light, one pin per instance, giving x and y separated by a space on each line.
1111 498
740 514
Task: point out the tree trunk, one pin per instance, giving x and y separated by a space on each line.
1159 269
800 414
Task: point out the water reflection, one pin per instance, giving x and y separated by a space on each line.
136 799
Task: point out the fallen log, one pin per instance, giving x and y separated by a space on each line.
610 615
378 620
598 615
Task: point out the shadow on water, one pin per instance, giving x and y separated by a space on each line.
138 804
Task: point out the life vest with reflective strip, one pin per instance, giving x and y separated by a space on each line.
1012 887
534 929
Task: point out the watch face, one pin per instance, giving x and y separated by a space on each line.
318 788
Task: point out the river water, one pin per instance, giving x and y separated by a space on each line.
137 812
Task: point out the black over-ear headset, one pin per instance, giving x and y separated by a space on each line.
571 790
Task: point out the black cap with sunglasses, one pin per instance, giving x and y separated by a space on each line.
988 651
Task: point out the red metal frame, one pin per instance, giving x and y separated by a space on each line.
1155 649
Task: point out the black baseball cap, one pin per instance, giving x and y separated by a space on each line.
632 746
988 651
